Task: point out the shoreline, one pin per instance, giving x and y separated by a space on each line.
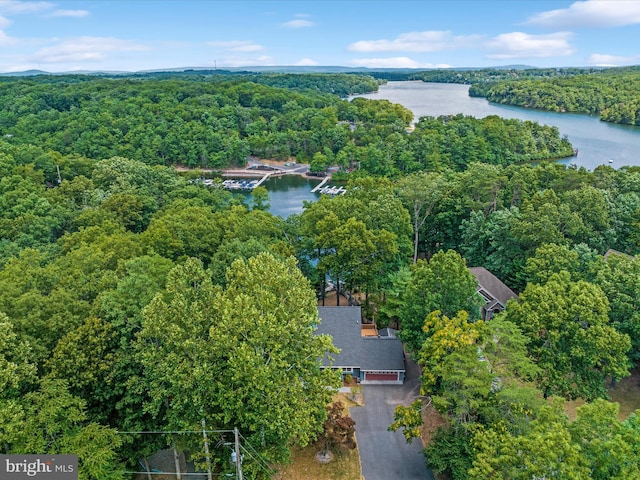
256 172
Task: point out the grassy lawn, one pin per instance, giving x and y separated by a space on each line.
626 393
345 465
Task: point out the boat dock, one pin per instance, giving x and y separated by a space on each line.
333 190
244 184
325 189
321 184
262 180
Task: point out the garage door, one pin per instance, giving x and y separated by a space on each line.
381 376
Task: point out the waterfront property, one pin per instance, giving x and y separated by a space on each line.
367 355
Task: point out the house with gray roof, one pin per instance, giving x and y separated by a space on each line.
495 293
371 359
611 252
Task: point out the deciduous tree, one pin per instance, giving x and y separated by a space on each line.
570 336
421 193
445 284
244 356
338 429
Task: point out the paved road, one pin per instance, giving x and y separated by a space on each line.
386 455
298 168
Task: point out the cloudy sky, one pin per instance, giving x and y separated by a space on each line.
123 35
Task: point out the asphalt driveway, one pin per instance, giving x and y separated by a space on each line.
386 455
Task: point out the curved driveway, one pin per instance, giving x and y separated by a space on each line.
386 455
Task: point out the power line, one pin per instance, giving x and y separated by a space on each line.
201 474
239 447
260 461
236 435
177 432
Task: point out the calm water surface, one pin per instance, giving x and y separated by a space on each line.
597 141
288 193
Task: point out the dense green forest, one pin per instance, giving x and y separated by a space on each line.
133 300
218 123
611 94
340 84
492 75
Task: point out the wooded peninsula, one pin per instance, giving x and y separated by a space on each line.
611 93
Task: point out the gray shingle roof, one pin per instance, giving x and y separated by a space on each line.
366 353
492 285
388 332
611 251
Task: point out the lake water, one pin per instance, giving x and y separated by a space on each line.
597 141
287 194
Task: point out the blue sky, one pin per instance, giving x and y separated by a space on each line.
121 35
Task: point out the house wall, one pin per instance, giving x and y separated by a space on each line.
374 377
355 372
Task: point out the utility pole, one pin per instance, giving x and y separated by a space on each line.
176 459
238 456
206 450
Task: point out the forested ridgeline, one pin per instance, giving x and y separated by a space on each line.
612 94
339 84
492 75
218 123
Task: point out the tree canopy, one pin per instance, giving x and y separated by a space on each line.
133 299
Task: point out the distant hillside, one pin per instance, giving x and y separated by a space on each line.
26 73
269 69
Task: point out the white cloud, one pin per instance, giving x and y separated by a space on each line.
237 46
298 23
6 40
603 60
83 49
394 62
524 45
428 41
70 13
306 62
590 13
14 6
